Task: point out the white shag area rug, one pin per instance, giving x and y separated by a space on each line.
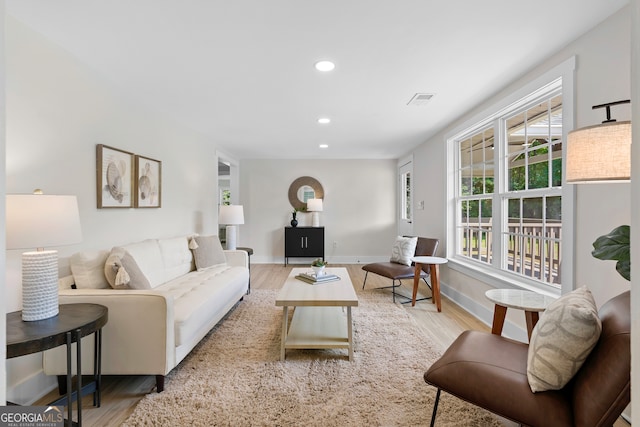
234 377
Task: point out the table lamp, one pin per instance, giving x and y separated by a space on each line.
231 215
315 206
38 221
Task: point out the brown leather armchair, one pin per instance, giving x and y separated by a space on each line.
490 371
395 271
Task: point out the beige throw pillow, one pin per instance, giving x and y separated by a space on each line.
561 341
120 264
403 250
209 252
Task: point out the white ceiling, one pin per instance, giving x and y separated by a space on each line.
241 71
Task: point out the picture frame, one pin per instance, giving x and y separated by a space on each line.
148 182
114 169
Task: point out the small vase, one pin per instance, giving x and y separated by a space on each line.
319 271
294 221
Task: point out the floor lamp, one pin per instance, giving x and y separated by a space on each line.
39 221
231 215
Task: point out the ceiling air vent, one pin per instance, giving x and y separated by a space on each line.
420 99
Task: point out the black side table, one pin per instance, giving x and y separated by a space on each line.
73 322
249 252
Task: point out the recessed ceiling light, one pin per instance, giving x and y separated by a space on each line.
325 65
324 120
323 145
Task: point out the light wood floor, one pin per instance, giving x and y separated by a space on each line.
121 394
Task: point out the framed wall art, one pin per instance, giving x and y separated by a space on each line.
114 177
148 182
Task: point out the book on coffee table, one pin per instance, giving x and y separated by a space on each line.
313 279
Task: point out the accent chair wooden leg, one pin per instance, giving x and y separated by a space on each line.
365 279
159 383
435 409
435 285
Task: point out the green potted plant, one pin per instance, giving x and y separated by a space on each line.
318 266
294 214
615 246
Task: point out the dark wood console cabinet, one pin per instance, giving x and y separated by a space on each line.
303 242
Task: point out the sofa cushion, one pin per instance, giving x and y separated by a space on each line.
87 268
561 341
403 250
209 252
176 256
201 293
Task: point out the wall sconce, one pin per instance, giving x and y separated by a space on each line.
231 215
38 221
314 206
600 153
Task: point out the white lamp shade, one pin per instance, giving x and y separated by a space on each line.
600 153
38 221
231 215
314 205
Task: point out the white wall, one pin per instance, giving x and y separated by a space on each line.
57 111
602 75
359 207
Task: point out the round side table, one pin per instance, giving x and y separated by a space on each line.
531 302
434 262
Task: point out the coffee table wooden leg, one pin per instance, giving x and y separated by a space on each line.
416 281
285 319
499 314
350 332
435 286
532 318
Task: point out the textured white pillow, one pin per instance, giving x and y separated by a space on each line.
403 250
87 268
561 341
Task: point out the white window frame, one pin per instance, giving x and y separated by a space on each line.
492 274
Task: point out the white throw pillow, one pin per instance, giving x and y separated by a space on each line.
87 268
403 250
561 341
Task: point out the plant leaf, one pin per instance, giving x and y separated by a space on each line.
615 246
624 268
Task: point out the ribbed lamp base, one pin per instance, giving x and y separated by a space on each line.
39 285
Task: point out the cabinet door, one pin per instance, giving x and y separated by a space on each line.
315 242
294 242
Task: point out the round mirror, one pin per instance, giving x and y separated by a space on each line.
303 189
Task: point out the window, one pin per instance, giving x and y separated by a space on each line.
507 193
405 208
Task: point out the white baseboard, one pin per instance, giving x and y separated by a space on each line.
32 388
485 315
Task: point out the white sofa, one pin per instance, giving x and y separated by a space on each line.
174 295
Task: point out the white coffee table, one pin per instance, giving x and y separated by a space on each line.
319 319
